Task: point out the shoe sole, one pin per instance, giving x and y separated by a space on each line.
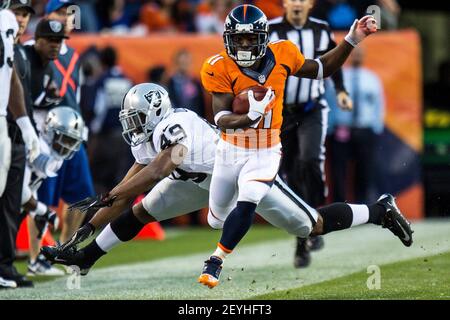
208 281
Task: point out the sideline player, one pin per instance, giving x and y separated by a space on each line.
62 134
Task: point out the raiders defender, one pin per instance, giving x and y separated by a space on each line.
175 152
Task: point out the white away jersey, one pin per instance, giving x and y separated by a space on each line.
188 129
8 31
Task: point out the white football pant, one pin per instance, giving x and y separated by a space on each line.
281 207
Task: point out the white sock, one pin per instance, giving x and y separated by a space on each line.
107 239
220 253
360 214
40 210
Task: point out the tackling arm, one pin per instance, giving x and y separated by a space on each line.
139 180
106 214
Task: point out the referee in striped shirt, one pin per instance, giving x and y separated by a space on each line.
305 112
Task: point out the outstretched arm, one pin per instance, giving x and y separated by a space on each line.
106 214
139 180
334 59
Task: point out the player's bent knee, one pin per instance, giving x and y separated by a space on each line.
149 208
218 214
214 222
293 222
301 232
299 225
142 214
298 228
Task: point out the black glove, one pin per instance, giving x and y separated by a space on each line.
79 236
92 203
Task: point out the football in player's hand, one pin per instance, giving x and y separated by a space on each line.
240 102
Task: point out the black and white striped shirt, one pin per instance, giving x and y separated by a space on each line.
313 39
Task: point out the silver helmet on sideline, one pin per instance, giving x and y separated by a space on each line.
64 131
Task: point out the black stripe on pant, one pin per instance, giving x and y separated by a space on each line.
291 195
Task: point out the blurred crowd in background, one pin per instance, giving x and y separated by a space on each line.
143 17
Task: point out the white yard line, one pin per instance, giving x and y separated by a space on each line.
267 266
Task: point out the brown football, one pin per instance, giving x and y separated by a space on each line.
240 102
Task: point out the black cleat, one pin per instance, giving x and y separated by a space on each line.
316 243
302 257
70 257
11 275
394 220
50 253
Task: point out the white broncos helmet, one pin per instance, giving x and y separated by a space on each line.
143 107
64 131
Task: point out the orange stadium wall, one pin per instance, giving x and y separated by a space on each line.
394 56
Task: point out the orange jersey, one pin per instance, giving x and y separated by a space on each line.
221 74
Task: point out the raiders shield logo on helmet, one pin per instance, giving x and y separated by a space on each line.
154 99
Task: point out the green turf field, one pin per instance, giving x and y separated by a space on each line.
261 268
422 278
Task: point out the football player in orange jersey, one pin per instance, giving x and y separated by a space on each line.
249 153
